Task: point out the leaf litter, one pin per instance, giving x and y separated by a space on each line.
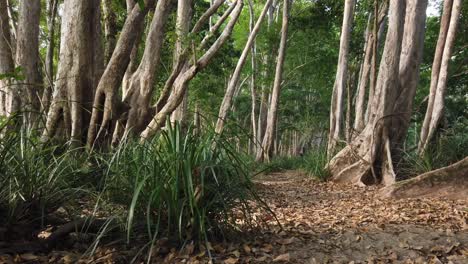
321 222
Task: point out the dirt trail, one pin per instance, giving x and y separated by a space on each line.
325 222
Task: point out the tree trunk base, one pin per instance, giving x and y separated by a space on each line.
450 182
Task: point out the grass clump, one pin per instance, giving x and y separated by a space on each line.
315 163
182 185
35 179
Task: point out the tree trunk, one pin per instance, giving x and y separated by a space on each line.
184 17
27 57
105 106
368 159
78 72
14 25
336 110
363 83
49 61
410 62
435 107
448 182
234 81
253 78
265 152
6 61
110 30
138 97
184 77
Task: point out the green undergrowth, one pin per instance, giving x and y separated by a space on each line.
313 163
181 185
448 147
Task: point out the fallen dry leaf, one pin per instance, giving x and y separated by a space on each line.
231 261
282 258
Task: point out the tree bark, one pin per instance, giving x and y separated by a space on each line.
265 152
105 102
253 79
138 97
184 17
364 82
6 61
49 61
184 77
410 62
79 70
234 81
110 30
27 57
368 158
448 182
336 110
448 29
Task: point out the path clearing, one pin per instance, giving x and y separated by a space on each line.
325 222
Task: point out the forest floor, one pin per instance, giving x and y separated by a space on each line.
321 223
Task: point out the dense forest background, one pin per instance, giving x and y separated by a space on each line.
172 125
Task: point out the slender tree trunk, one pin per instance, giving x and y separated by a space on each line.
79 70
266 151
184 77
133 64
367 64
368 159
27 57
184 17
234 81
267 61
448 29
49 61
253 78
6 60
336 110
110 30
13 24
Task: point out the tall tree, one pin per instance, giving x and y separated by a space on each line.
27 57
79 69
266 151
368 158
106 99
179 83
6 60
364 75
184 17
336 110
435 107
235 78
253 78
52 7
110 30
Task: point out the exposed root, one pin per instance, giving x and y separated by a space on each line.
450 181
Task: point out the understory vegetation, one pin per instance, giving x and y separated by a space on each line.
184 185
